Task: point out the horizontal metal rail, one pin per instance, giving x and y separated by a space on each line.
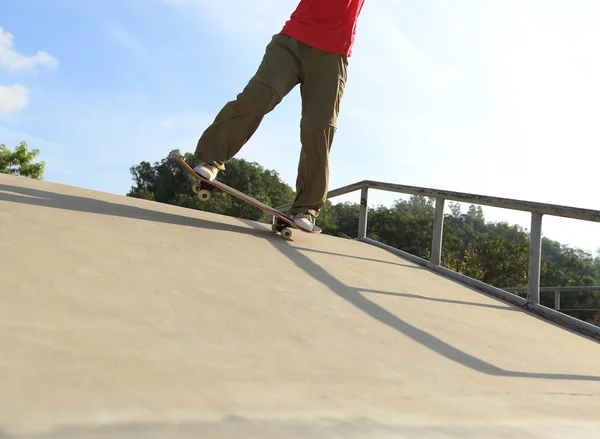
583 289
557 293
504 203
537 210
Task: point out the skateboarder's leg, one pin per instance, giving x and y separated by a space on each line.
278 73
322 90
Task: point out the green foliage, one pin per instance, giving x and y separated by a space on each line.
566 266
495 253
339 219
20 162
406 225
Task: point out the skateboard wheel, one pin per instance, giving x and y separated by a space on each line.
286 233
196 188
204 195
275 228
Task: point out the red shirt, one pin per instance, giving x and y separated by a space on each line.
329 25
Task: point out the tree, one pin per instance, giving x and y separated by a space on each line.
20 162
406 225
339 219
462 232
499 256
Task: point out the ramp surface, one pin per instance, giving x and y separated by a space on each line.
127 318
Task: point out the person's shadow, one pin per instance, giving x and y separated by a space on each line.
352 295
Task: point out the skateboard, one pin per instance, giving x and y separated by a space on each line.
203 188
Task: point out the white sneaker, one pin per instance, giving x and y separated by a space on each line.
207 171
305 221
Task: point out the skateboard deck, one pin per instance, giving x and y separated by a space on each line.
203 187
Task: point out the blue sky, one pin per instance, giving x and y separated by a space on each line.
481 96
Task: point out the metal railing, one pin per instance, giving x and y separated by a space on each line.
557 292
537 210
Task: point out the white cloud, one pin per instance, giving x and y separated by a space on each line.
12 60
127 40
13 98
168 122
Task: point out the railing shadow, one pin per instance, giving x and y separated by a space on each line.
435 299
360 258
442 348
350 294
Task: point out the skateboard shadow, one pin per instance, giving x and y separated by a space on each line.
37 197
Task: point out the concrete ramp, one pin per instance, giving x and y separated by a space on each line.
122 318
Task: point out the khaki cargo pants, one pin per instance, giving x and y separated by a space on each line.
286 63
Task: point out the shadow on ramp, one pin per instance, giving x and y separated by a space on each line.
354 297
53 200
310 428
360 258
434 299
350 294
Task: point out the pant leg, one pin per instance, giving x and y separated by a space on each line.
322 89
277 75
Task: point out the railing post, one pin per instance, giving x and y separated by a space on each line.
557 300
438 230
364 211
535 258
